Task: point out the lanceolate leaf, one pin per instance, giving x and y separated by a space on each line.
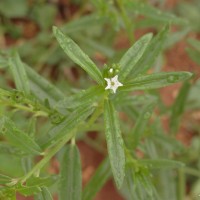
4 179
70 175
156 80
18 138
114 142
19 73
97 181
140 125
151 53
83 22
88 96
42 88
131 57
65 127
156 14
178 107
77 55
161 163
44 194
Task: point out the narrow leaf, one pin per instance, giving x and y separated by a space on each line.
41 181
70 184
131 57
194 43
178 107
77 55
19 73
44 194
34 184
4 179
88 96
156 80
140 126
65 127
151 53
81 23
114 143
161 163
42 88
156 14
97 181
194 55
18 138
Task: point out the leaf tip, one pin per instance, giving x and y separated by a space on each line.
54 29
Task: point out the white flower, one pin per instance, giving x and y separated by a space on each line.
113 83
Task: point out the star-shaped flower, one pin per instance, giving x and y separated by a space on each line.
113 83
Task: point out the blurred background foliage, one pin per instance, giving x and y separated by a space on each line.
104 30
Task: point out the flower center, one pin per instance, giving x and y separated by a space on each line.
112 83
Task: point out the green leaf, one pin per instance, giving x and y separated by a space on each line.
140 125
66 127
195 44
156 80
175 37
3 61
4 179
156 14
41 181
114 143
7 194
34 184
44 14
194 55
133 100
131 57
178 107
18 138
42 88
28 191
129 186
70 184
151 53
78 56
194 52
144 184
88 96
7 163
97 181
44 194
19 73
9 8
83 22
161 163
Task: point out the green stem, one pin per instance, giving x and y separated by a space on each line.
48 156
181 183
25 108
95 115
62 142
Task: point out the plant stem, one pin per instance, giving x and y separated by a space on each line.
48 156
181 184
62 142
25 108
